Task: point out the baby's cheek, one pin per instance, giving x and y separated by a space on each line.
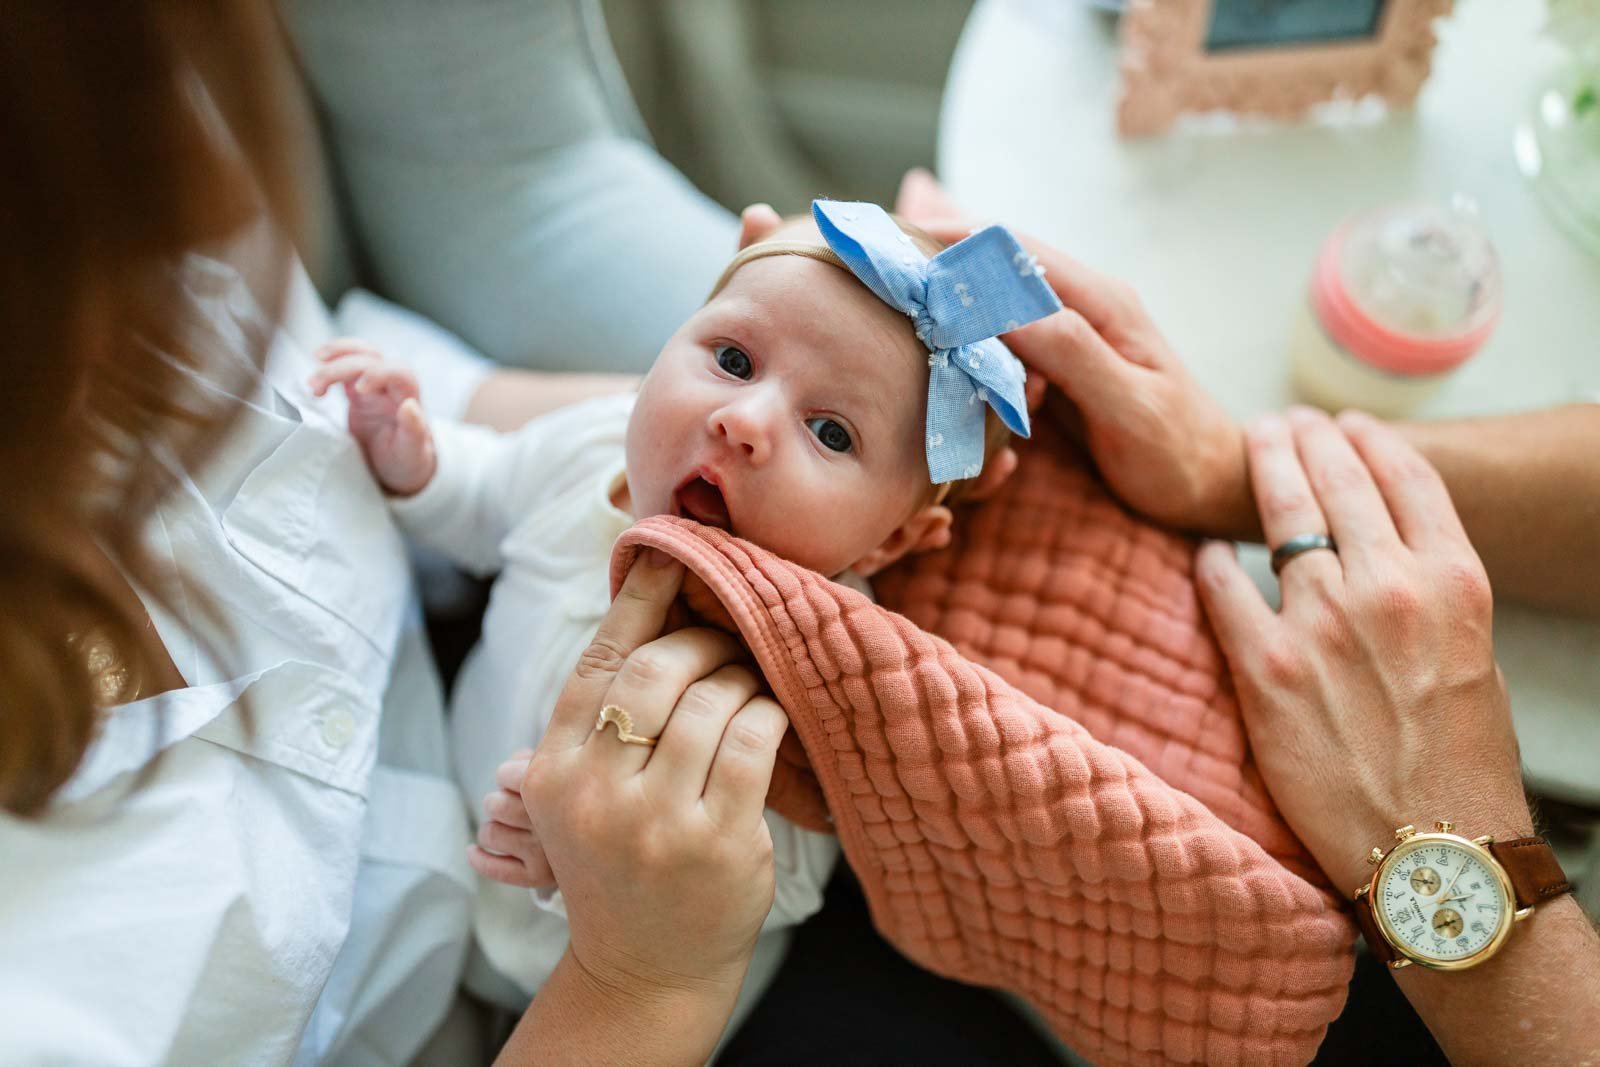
825 531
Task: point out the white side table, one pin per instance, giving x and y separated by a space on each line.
1217 232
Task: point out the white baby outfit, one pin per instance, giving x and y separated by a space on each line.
536 506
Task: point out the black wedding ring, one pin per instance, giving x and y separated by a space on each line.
1296 546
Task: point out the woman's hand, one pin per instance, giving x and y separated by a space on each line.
1371 698
662 855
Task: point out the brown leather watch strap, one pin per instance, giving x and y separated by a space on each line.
1530 864
1535 874
1368 923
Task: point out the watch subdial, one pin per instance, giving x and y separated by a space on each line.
1447 922
1425 881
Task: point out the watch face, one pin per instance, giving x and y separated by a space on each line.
1441 900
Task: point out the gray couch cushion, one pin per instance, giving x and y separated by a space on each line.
489 184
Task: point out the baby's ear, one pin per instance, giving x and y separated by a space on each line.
925 531
756 223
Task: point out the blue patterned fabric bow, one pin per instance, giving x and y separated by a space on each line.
960 301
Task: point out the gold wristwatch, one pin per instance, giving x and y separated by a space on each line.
1448 902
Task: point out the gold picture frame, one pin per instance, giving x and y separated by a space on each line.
1167 69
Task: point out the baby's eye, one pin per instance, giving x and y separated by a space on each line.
830 433
733 361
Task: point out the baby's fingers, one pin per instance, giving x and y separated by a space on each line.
344 346
509 775
390 378
499 868
413 430
502 840
506 840
505 806
341 369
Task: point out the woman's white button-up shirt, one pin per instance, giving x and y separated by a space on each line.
287 881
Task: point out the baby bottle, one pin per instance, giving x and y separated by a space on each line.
1399 297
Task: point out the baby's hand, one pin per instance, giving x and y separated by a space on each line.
507 850
385 413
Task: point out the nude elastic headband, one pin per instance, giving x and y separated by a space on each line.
763 249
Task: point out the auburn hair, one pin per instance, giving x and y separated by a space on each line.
133 133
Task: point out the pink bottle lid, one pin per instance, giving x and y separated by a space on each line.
1359 330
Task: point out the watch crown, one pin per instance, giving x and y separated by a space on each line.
1404 832
1444 826
1375 857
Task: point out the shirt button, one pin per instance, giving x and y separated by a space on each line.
337 728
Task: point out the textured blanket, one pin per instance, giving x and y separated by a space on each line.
1033 758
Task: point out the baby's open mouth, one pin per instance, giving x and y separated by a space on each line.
703 502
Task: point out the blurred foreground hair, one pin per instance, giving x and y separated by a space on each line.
116 122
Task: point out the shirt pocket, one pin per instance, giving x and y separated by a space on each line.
297 716
309 514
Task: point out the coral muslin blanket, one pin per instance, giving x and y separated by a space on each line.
1033 758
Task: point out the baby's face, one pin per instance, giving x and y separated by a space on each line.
789 410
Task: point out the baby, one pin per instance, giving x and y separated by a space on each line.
832 399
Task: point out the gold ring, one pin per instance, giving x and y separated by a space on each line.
624 724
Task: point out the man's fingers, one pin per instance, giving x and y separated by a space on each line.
951 229
1065 350
1288 507
741 771
1108 303
1239 616
1034 389
1357 516
1421 506
922 197
757 222
636 618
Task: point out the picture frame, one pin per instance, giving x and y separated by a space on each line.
1276 59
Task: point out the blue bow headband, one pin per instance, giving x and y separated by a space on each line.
960 301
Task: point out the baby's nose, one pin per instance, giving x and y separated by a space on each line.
746 426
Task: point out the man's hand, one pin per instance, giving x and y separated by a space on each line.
1165 447
385 413
1162 444
1371 698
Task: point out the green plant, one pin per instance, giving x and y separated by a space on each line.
1576 25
